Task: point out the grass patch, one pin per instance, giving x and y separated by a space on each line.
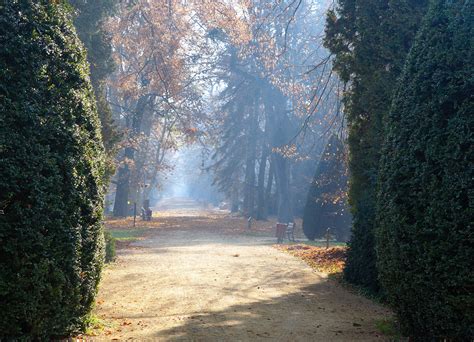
258 233
364 292
96 325
389 328
128 234
337 276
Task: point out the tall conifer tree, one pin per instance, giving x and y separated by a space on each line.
89 17
326 205
425 203
51 191
370 40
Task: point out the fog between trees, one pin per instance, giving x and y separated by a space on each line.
268 109
250 86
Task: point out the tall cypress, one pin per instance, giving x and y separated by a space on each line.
370 40
51 172
326 205
89 17
425 203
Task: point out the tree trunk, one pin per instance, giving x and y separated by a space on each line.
123 176
121 193
280 134
261 208
234 206
249 194
269 207
285 214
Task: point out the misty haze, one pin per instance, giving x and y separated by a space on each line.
236 170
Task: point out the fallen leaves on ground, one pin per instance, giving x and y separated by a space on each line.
330 261
216 221
123 244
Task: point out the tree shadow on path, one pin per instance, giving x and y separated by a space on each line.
314 313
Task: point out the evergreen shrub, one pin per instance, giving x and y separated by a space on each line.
425 202
51 171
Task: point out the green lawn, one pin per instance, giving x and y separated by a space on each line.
389 328
128 234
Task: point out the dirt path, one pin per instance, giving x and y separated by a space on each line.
190 284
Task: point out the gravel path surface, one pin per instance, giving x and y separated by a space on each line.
194 285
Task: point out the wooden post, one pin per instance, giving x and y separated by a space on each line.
280 232
249 223
327 238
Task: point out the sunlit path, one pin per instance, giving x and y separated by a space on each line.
182 283
176 203
236 170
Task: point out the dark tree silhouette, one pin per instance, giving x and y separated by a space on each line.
370 40
326 205
89 18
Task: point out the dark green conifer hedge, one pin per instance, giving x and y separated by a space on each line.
326 205
369 40
51 169
89 17
425 203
